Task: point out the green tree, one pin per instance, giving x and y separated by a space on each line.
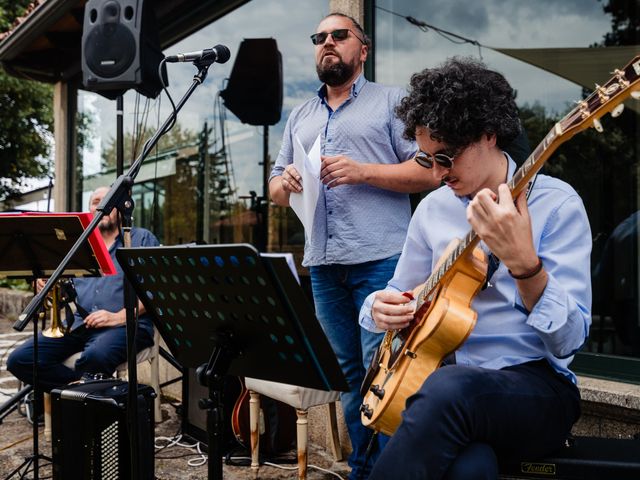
26 117
177 137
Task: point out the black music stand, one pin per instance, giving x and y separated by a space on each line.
223 309
31 247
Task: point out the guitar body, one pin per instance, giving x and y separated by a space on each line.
403 361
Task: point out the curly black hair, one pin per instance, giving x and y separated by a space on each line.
459 102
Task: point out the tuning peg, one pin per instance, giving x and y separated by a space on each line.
635 94
366 410
616 112
597 125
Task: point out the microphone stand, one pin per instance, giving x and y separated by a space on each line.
119 197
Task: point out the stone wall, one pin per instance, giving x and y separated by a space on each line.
13 302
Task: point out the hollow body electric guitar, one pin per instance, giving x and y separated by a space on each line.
444 318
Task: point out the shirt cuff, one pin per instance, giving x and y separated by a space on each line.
550 312
365 319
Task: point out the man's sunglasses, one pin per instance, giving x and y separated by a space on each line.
426 159
338 35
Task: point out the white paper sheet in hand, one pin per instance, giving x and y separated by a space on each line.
308 166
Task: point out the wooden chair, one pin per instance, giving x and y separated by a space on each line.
301 399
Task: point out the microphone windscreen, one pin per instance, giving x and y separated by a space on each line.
223 53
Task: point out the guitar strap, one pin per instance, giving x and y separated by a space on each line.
494 262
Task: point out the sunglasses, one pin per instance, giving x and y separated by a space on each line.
426 159
338 35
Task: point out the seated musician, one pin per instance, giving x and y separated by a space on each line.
98 329
508 390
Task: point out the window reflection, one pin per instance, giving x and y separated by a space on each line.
603 168
198 183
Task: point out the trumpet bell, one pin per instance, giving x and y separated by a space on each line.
57 329
53 332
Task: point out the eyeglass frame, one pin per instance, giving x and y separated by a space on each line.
314 37
427 160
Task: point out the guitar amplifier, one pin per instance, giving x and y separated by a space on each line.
89 431
585 458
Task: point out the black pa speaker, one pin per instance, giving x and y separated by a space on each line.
89 432
254 90
120 48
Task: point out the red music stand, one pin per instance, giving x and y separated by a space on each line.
32 245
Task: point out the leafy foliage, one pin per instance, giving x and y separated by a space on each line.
26 117
9 11
177 137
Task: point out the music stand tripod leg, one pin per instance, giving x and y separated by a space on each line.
33 459
212 375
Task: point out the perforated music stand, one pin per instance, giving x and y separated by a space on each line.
32 245
227 308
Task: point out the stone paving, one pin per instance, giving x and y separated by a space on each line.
16 441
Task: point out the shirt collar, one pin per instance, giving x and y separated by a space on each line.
355 88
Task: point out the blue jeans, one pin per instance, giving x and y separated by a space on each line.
464 418
103 349
338 293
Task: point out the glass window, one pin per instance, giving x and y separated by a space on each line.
205 179
542 48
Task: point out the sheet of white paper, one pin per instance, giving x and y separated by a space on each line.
308 166
290 261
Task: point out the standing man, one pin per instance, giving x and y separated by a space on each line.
509 391
98 329
363 209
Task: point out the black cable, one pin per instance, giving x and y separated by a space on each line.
369 452
166 91
450 36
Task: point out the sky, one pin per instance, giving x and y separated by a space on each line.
401 49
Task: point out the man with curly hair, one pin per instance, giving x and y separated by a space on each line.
507 391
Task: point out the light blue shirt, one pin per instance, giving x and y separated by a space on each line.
353 223
505 333
107 293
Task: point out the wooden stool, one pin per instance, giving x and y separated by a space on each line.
301 399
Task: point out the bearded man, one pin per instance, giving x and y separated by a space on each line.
363 209
98 329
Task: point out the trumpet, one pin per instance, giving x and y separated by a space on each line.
57 299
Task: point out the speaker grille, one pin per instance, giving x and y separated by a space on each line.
109 468
110 50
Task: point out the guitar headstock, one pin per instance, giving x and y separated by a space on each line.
607 98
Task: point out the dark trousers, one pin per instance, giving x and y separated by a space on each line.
103 349
463 418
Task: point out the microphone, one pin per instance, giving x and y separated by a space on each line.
219 53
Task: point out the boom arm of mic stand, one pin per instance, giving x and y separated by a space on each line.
114 193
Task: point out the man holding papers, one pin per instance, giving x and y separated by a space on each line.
343 168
